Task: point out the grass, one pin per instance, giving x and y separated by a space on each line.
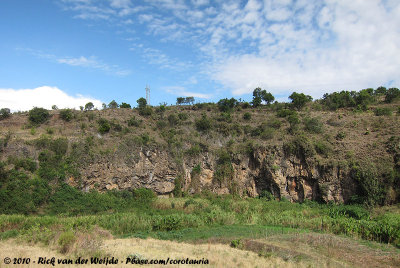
281 234
217 233
191 217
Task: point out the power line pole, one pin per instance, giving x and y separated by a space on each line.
148 95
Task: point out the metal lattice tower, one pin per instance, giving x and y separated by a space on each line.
148 95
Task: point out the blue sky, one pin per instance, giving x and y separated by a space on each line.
69 52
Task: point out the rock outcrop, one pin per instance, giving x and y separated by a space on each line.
290 177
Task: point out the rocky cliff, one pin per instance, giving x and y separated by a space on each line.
322 156
264 169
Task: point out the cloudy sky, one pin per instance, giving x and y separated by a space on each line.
69 52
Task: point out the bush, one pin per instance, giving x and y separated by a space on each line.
38 116
125 105
194 150
351 211
116 126
226 105
294 121
27 164
66 240
177 191
183 116
247 116
173 120
392 94
143 196
383 111
275 123
372 189
104 125
299 100
203 124
66 114
337 100
133 122
313 125
146 111
224 170
4 113
267 195
322 148
299 146
285 112
246 105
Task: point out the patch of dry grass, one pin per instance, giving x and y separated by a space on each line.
290 250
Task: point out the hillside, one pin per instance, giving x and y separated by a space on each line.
348 154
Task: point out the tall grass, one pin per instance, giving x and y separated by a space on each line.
165 215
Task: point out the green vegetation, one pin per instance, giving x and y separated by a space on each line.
104 125
385 111
4 113
337 137
260 95
392 94
312 125
200 218
125 105
299 100
38 116
113 105
183 100
89 106
66 115
203 124
226 105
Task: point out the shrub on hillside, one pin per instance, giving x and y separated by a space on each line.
38 116
146 111
133 122
275 123
4 113
173 120
313 125
247 116
226 105
299 100
104 125
144 196
322 148
183 116
299 146
392 94
285 112
203 124
66 115
27 164
125 105
383 111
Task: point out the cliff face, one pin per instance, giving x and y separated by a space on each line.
340 156
294 178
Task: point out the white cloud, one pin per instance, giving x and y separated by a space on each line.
181 91
157 57
93 63
45 97
283 45
353 48
82 61
120 3
200 2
